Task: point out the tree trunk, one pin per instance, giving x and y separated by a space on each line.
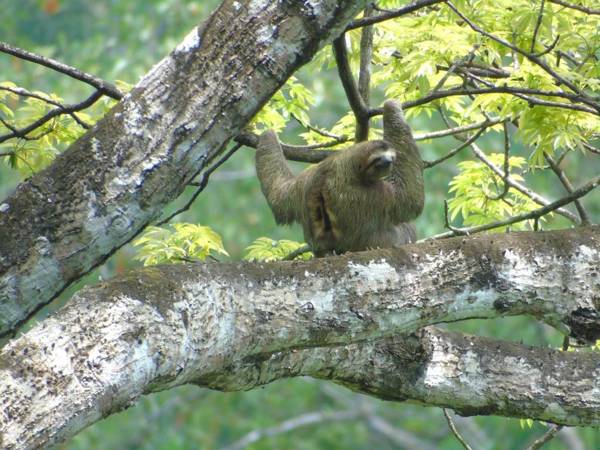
239 325
116 179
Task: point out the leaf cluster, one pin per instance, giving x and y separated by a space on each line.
184 242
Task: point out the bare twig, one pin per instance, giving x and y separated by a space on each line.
577 7
591 148
202 184
500 90
585 220
546 437
401 438
104 87
286 426
457 130
467 59
537 26
365 21
548 48
451 153
505 185
455 431
359 108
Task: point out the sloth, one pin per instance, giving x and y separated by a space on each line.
356 199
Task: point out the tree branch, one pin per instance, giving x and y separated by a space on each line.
531 215
102 86
366 21
233 326
63 109
577 7
583 215
454 430
359 108
120 175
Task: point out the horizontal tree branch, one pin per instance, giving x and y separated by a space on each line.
472 375
163 326
412 7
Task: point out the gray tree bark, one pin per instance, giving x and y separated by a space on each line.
347 319
116 179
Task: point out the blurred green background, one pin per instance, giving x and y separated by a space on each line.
121 40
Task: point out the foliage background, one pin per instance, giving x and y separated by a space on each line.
121 40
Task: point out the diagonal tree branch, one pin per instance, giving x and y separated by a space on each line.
102 86
116 179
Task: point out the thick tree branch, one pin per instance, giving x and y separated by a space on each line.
111 183
229 326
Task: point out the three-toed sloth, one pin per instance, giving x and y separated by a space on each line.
356 199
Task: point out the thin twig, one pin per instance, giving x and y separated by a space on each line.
548 48
457 130
577 7
67 109
538 23
591 148
451 153
520 187
505 185
286 426
103 86
401 438
365 21
500 90
25 93
455 430
467 59
585 220
531 215
545 438
202 184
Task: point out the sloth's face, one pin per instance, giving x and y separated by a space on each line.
379 164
